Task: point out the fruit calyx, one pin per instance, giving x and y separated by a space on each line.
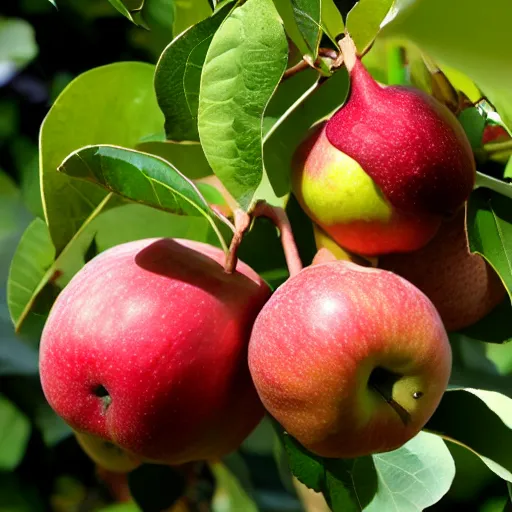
382 381
406 141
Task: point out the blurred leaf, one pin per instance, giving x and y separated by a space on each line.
489 222
155 488
481 421
93 109
332 22
30 269
473 124
14 435
16 358
189 13
308 16
17 495
178 76
412 478
122 507
139 177
229 494
364 20
17 47
52 427
244 64
26 157
130 9
485 60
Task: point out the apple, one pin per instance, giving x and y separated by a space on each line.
106 454
350 360
146 348
384 170
463 286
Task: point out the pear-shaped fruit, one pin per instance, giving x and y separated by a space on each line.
350 360
463 286
380 174
146 348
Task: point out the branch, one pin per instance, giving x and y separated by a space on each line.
280 219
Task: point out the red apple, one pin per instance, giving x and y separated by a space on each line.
350 360
147 348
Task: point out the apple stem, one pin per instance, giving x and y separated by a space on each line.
349 51
242 223
280 219
306 62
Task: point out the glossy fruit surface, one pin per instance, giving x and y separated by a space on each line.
411 145
147 348
350 360
337 194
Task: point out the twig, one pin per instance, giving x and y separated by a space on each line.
242 223
280 219
307 63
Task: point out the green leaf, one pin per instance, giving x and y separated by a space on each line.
17 46
130 9
188 158
481 421
229 495
473 123
244 64
31 272
189 13
178 76
14 435
93 109
287 14
139 177
453 44
489 222
364 20
332 21
412 478
308 16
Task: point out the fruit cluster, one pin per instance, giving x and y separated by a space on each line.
153 353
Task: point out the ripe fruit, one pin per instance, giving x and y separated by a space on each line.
106 454
350 360
147 348
383 171
463 286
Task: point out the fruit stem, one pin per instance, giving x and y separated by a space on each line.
349 51
306 63
280 219
242 223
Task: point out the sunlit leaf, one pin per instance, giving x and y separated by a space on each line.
243 67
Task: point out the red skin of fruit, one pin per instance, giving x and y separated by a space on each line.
411 145
403 232
162 327
316 342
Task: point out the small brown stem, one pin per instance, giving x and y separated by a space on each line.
280 219
242 223
307 63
